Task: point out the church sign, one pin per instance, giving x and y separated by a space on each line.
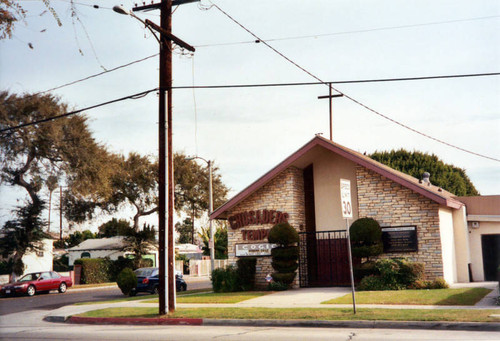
400 239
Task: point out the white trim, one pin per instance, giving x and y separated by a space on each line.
481 217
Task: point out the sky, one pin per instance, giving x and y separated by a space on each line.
247 131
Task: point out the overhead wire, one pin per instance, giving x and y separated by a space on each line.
350 97
52 118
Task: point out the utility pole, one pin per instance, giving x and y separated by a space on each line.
330 96
60 212
166 161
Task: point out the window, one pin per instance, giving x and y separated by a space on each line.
85 255
55 274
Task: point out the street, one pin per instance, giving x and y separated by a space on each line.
54 300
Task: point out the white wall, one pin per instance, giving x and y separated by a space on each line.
112 254
328 169
36 261
485 227
463 254
447 245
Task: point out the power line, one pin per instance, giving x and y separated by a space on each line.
97 74
134 96
347 96
379 80
349 32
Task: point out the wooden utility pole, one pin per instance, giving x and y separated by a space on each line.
330 96
165 151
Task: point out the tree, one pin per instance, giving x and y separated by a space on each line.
30 154
12 12
114 228
220 241
448 177
191 188
185 230
285 256
136 182
139 242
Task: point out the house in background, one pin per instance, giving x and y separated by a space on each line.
111 248
35 261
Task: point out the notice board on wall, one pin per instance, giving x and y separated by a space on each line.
400 239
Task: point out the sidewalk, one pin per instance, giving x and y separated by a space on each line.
296 298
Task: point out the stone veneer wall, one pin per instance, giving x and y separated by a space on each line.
284 193
392 205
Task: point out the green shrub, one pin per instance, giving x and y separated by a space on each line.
438 283
94 270
393 274
127 281
277 286
285 256
283 234
225 280
366 238
365 269
372 283
118 265
61 263
246 272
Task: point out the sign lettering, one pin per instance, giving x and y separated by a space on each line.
345 198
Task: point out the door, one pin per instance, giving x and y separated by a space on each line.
490 244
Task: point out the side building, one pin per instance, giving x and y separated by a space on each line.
420 221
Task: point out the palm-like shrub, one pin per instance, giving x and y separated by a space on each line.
285 256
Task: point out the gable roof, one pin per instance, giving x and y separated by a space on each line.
431 192
113 243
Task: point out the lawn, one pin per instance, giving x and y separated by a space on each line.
463 296
145 297
214 297
327 314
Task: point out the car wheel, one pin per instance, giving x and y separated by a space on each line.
31 290
62 288
156 290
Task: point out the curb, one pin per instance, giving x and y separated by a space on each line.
459 326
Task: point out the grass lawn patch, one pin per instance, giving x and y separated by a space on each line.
95 285
218 297
462 296
145 297
327 314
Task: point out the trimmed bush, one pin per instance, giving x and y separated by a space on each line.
61 263
6 267
285 256
364 270
246 272
277 286
94 270
438 283
366 238
372 283
225 280
127 281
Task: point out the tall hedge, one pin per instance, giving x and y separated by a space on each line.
94 270
286 255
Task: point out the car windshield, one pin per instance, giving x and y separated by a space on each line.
145 272
29 277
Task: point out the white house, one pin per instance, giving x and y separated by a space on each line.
104 247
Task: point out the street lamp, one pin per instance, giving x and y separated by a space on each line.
211 242
121 10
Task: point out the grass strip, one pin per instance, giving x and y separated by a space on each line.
462 296
95 285
214 297
145 297
326 314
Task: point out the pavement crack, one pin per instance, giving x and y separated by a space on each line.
241 333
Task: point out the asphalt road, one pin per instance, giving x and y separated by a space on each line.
54 300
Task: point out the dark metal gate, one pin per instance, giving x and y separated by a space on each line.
323 259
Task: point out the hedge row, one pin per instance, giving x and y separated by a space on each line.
103 270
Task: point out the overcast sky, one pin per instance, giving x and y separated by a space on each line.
248 131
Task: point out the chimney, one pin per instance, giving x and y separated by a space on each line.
425 178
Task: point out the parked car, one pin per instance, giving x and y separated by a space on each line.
148 281
41 282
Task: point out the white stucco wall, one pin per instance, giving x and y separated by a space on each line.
112 254
448 251
476 251
35 261
463 252
328 169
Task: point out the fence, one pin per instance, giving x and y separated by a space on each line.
202 267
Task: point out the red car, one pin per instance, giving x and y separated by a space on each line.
35 282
